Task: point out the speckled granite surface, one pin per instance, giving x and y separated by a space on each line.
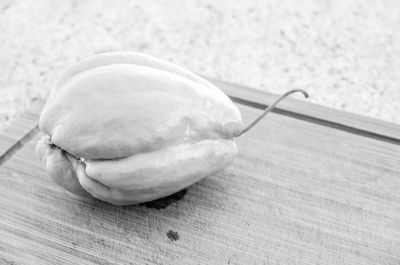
345 53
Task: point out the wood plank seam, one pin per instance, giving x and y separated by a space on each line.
30 134
318 121
18 145
309 109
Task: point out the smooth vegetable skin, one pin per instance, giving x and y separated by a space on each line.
128 128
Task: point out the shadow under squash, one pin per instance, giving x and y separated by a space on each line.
164 202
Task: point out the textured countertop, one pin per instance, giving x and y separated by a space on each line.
346 54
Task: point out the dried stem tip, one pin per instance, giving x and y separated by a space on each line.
271 107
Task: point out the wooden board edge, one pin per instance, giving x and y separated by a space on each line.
338 119
20 131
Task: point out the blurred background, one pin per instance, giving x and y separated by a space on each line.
346 54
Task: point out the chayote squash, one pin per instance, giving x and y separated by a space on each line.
128 128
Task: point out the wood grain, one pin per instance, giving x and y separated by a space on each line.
297 193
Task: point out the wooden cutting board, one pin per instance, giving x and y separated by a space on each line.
310 185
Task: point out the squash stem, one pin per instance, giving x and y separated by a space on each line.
271 107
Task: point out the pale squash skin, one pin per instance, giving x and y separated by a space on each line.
128 128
